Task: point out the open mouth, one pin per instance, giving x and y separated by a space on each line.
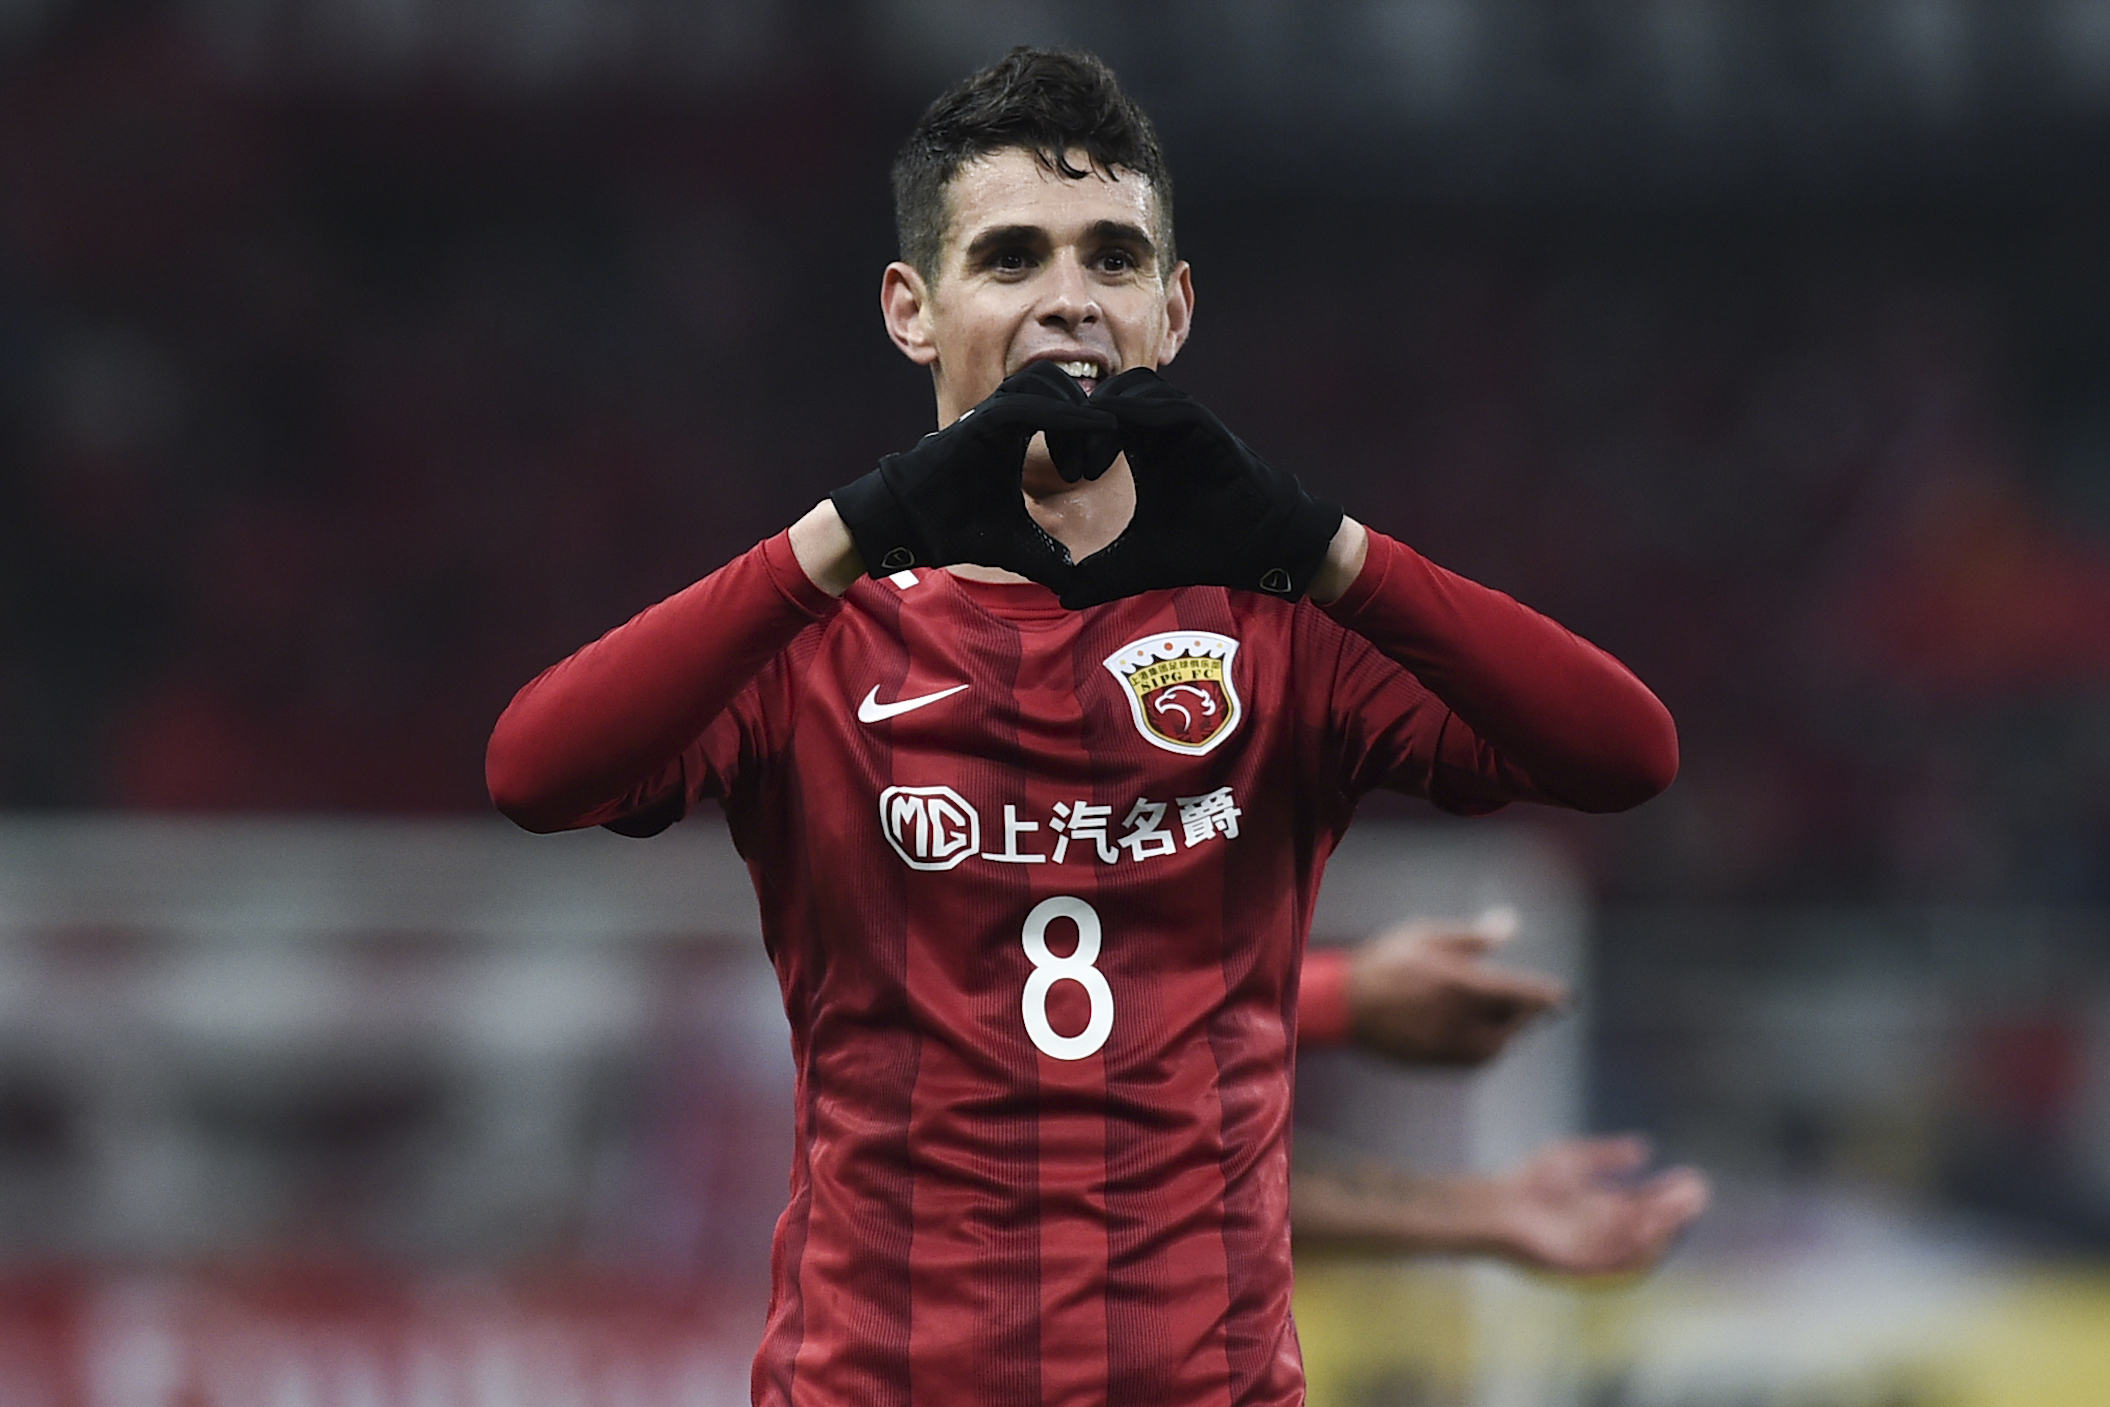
1087 374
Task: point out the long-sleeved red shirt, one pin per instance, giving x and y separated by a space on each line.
1036 884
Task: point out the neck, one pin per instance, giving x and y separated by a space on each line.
1084 516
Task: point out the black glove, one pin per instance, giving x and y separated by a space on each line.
955 497
1209 511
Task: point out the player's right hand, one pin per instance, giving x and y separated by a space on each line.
955 496
1578 1206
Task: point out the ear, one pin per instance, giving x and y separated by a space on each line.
1179 312
904 302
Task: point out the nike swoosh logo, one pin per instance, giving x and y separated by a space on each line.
873 711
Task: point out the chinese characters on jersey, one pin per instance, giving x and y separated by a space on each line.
935 828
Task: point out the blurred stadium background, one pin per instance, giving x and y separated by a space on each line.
360 357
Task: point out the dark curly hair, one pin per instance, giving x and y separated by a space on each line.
1046 101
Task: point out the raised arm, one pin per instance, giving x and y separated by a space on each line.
589 731
1566 722
1552 707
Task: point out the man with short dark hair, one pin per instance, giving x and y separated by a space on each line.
1036 749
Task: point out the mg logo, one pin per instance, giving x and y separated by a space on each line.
933 828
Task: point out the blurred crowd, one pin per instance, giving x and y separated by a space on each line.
330 414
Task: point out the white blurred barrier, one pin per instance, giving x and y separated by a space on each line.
1522 1337
1382 875
159 1341
437 1040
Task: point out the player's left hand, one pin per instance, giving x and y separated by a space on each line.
1574 1207
1425 993
1209 511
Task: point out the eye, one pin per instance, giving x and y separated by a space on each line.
1010 261
1116 261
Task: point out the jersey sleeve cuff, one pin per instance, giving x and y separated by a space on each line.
1322 998
1379 564
791 581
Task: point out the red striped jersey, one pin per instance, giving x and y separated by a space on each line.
1036 884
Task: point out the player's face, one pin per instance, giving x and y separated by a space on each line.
1038 266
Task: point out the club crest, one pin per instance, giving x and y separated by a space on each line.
1179 688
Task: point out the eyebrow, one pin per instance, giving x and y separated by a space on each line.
1122 232
1003 236
1103 231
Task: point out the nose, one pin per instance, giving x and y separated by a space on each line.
1068 300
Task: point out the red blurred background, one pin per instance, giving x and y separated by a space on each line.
357 360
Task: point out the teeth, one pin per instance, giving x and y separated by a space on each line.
1080 370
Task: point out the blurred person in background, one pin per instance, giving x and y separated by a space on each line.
1043 1010
1423 994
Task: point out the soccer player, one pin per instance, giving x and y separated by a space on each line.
1421 993
1036 739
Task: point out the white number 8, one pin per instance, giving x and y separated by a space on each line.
1049 969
